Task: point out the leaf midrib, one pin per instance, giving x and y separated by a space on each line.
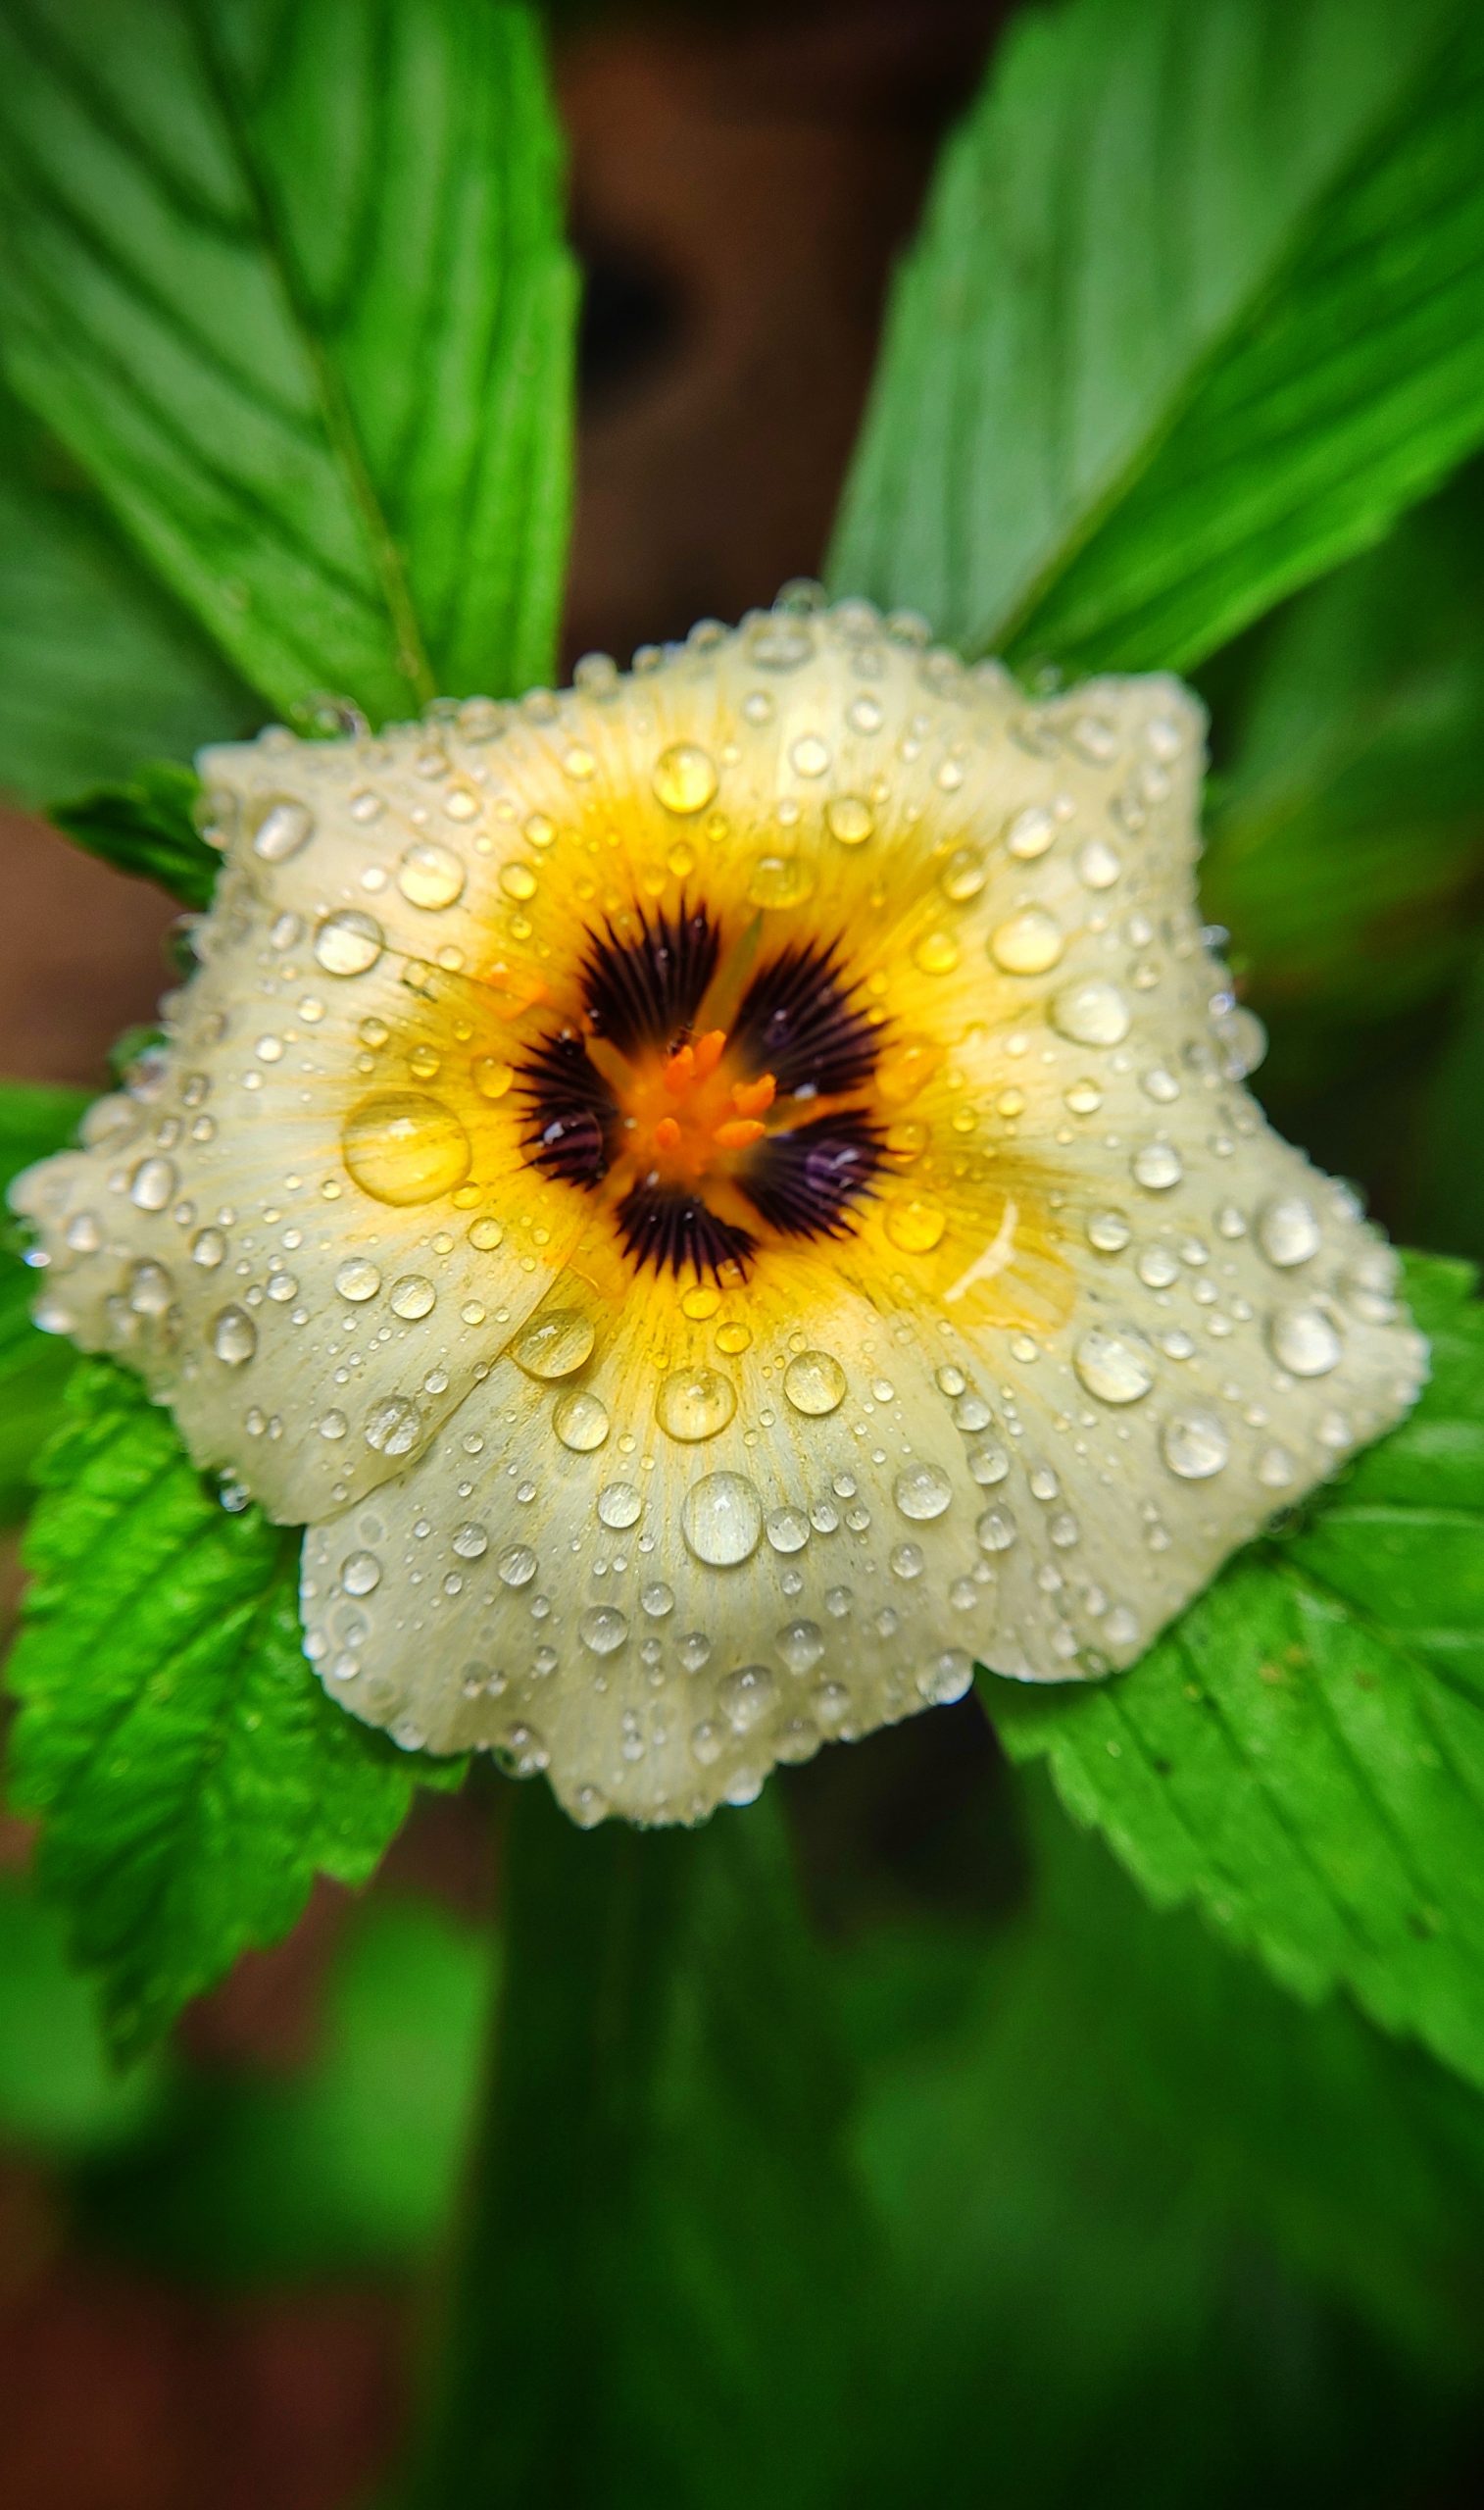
999 634
411 655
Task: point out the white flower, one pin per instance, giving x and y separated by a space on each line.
722 1199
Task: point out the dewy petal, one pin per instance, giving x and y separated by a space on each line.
1081 1323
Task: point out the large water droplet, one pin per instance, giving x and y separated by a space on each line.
209 1249
357 1279
848 819
695 1403
1114 1366
284 826
1303 1340
581 1421
815 1384
413 1297
1157 1166
403 1148
152 1185
430 875
1091 1014
1287 1230
684 779
914 1225
603 1629
559 1342
620 1505
1194 1445
348 944
361 1573
722 1519
922 1492
234 1336
393 1428
1030 944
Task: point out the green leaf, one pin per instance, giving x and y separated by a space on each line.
1198 308
191 1775
34 1121
661 2224
289 283
99 665
1345 827
1302 1754
147 826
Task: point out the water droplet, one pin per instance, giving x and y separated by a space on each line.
1303 1340
657 1599
788 1529
815 1384
963 875
1030 944
800 1644
150 1289
1276 1468
848 819
581 1422
393 1428
922 1492
283 828
936 954
332 1425
360 1573
358 1279
722 1519
914 1225
1109 1232
413 1297
809 756
348 944
603 1629
209 1249
1194 1445
619 1506
430 875
1114 1366
485 1234
1091 1014
694 1403
1098 867
234 1336
492 1077
947 1677
1287 1230
559 1342
517 1565
684 779
780 879
747 1695
1029 834
1157 1166
404 1148
907 1560
471 1541
153 1185
995 1530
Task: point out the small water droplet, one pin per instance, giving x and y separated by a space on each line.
809 756
1287 1230
492 1077
914 1225
603 1629
357 1279
413 1297
747 1695
788 1529
963 875
995 1530
209 1249
849 820
361 1573
284 826
619 1506
393 1428
153 1185
1029 834
517 1565
1157 1166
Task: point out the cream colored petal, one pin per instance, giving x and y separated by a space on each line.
308 1335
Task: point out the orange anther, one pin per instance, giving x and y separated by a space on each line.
738 1133
668 1134
681 1071
754 1097
708 1052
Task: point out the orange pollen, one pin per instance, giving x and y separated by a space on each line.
682 1113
